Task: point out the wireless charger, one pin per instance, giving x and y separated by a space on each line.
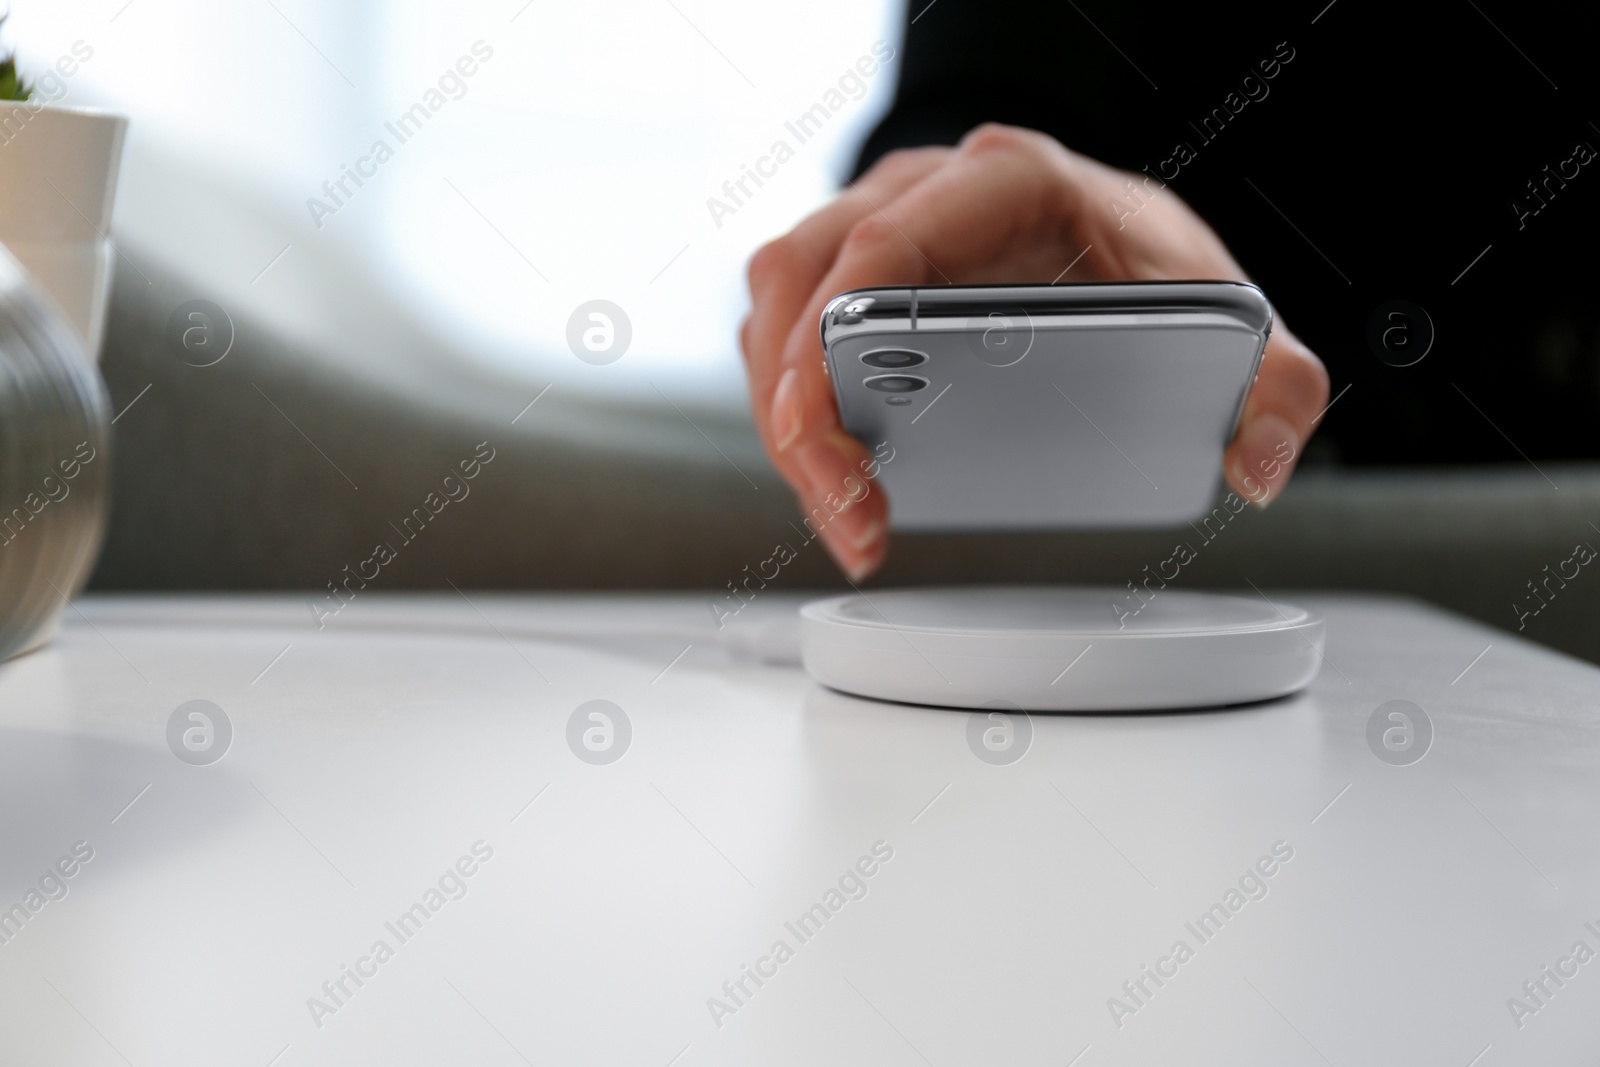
1060 649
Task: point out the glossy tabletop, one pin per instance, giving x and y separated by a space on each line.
498 829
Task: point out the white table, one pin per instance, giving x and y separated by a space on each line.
369 757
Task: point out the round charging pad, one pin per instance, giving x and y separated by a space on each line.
1060 649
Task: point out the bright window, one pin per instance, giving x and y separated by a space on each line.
574 163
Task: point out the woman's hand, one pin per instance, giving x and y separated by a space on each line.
1006 205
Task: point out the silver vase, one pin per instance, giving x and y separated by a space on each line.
55 437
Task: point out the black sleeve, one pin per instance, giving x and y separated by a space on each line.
1083 74
1349 154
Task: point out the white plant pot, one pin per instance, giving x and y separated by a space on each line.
58 181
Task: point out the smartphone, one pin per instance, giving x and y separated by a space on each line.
999 407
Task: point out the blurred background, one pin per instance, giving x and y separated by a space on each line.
574 164
376 335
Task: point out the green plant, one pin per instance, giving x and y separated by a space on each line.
12 87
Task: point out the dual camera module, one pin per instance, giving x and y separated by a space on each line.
896 385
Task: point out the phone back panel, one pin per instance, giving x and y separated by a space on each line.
1055 415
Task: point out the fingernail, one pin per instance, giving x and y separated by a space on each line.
1267 451
857 527
859 562
786 411
861 569
868 535
838 492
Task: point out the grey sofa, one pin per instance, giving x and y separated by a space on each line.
275 469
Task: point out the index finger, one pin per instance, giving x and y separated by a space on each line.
783 273
995 192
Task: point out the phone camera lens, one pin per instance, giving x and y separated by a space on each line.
896 383
893 358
